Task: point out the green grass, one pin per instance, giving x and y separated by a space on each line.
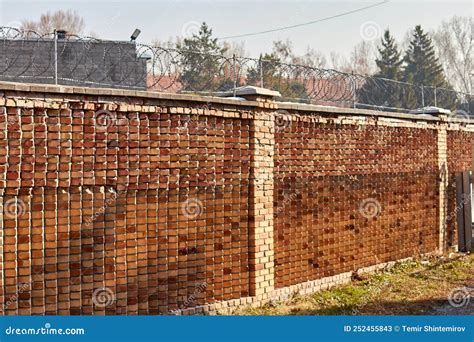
412 287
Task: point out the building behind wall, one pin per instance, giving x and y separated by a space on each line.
91 63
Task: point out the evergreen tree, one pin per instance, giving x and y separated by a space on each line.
389 61
381 92
201 61
422 65
423 68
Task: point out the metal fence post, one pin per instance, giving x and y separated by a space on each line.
435 99
55 57
261 71
422 96
354 85
234 74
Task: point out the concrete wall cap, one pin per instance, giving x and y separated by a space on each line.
249 90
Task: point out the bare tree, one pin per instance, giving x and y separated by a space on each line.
237 49
68 20
338 61
361 60
311 58
454 43
171 43
283 50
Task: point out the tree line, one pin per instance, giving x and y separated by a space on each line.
414 78
418 66
201 65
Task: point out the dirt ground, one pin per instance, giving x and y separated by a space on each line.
433 286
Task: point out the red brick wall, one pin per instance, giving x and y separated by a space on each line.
323 175
460 156
168 203
460 144
153 206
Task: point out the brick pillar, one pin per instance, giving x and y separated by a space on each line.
443 184
261 205
262 140
3 174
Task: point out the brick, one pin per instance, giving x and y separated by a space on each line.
174 205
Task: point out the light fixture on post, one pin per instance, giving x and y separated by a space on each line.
134 35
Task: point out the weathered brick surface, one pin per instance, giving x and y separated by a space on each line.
460 158
152 205
181 204
323 174
460 148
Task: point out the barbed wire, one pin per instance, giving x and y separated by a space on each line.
26 56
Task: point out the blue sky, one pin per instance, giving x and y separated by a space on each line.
161 20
